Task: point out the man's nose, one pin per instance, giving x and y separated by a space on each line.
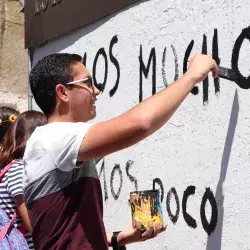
96 91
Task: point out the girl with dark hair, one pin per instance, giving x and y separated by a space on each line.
11 151
7 117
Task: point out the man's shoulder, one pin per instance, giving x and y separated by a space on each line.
60 128
36 137
54 138
52 132
36 143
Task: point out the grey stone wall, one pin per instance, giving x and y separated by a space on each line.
13 56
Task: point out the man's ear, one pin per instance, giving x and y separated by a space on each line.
62 93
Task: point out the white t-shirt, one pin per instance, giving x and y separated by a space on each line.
53 146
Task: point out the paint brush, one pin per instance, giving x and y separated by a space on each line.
228 74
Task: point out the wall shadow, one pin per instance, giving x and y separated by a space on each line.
215 239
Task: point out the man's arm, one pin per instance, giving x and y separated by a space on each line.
145 118
134 234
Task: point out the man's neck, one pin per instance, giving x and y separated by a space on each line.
60 118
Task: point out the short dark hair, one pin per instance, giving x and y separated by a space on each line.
14 143
5 115
46 74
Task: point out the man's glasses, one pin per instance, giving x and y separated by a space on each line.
83 80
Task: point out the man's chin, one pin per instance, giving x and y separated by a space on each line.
93 115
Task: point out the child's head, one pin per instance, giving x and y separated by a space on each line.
7 117
14 142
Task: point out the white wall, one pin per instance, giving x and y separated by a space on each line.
206 144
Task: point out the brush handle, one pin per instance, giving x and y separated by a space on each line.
228 74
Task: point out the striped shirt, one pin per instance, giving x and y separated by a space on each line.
11 186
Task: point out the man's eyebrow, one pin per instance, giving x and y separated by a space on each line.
89 76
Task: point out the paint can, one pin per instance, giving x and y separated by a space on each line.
146 205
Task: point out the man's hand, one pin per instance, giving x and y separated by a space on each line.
200 66
134 234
